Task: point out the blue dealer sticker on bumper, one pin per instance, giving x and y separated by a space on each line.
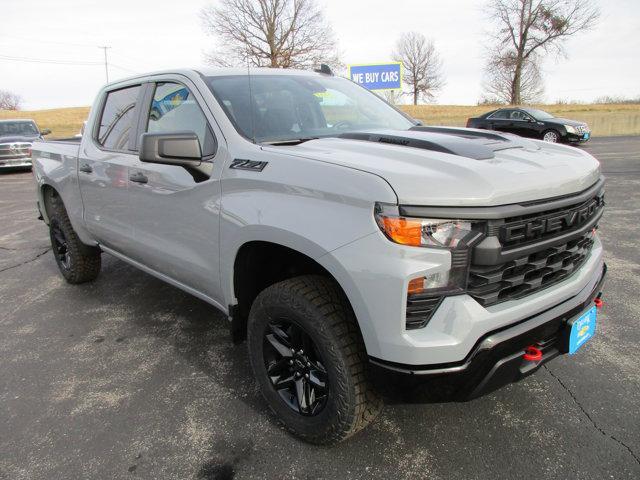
582 330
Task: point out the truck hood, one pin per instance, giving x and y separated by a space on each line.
435 166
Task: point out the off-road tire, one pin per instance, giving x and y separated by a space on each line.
319 307
84 261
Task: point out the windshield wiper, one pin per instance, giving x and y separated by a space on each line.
291 141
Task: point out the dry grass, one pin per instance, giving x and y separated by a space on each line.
63 122
604 120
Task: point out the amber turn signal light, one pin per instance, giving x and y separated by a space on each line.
402 230
416 285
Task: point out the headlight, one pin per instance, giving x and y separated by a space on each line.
451 234
570 129
424 232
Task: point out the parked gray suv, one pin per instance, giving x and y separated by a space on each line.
336 233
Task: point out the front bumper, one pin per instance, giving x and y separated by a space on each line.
374 274
497 358
10 163
578 137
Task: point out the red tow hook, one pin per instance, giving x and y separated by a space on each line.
532 354
598 302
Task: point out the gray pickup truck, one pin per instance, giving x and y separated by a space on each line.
341 237
16 138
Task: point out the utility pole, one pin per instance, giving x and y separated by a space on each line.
106 63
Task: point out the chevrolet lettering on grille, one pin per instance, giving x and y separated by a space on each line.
558 222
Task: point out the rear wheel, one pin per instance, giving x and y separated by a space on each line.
78 263
551 136
309 359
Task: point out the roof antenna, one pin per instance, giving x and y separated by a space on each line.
324 69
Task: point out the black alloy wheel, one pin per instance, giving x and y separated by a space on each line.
60 246
295 368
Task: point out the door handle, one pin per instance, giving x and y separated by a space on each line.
138 177
86 168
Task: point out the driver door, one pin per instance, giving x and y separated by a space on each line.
174 209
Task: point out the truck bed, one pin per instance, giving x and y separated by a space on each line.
56 149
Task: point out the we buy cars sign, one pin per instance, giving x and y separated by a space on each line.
377 76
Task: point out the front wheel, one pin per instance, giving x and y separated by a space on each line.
551 136
309 360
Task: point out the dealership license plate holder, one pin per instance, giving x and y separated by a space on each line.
580 329
586 136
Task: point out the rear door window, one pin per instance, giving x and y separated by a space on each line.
118 118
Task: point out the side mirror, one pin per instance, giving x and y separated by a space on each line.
179 148
46 131
418 122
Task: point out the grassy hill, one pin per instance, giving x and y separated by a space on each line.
605 120
63 122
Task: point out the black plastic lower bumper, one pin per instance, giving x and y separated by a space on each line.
497 358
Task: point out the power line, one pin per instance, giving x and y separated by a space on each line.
128 59
123 68
68 62
46 60
33 40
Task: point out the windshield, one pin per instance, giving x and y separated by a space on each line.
538 114
291 107
27 129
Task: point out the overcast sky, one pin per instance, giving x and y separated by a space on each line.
147 35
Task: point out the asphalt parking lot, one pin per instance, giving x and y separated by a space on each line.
130 378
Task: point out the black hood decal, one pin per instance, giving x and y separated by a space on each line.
454 141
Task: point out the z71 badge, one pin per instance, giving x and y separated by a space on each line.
243 164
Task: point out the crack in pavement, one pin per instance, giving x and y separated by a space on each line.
586 414
26 261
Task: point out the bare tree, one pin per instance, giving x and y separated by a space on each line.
526 28
422 65
499 80
9 101
270 33
390 96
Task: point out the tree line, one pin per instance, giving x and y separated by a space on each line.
296 34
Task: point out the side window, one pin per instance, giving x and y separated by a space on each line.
174 109
118 118
500 115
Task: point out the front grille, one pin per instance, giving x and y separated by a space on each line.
582 129
517 231
528 274
14 150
